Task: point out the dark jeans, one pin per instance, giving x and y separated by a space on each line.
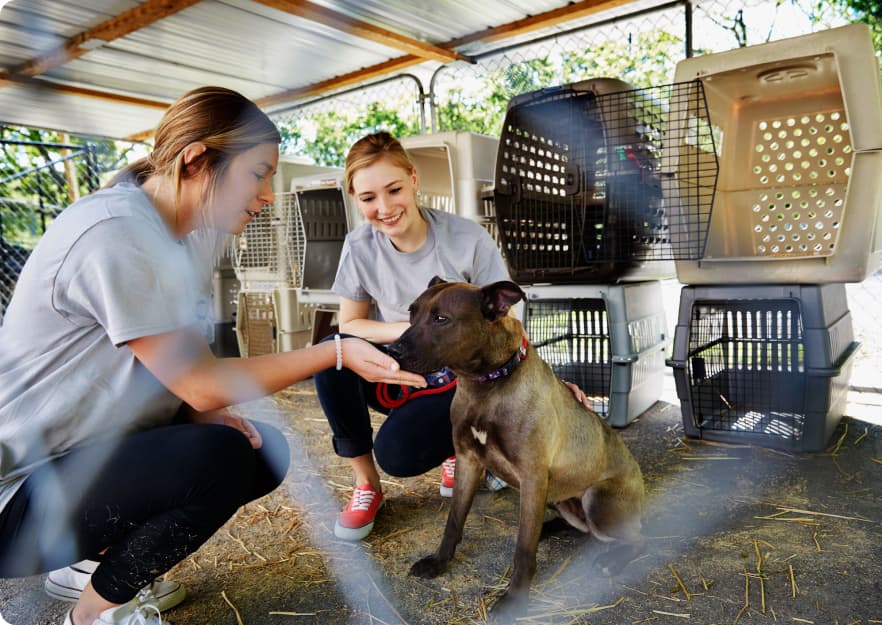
151 498
413 438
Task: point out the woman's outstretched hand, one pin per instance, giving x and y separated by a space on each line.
375 366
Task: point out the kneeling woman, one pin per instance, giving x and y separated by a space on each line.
115 445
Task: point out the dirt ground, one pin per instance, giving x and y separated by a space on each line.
737 534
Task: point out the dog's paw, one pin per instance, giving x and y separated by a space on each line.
428 567
508 608
613 561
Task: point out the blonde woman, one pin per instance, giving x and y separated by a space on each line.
387 262
115 444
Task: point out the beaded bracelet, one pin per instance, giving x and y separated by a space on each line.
338 345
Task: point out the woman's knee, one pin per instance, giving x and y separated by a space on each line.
274 454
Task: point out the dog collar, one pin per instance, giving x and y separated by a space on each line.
509 367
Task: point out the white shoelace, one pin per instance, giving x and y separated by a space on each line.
449 466
361 499
147 593
141 617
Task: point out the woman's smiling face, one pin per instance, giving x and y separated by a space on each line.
386 195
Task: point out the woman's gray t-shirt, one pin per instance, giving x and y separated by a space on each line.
105 272
456 249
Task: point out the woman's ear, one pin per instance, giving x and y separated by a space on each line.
415 179
194 151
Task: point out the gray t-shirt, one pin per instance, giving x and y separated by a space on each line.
457 249
106 271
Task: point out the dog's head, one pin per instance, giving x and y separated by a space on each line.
460 326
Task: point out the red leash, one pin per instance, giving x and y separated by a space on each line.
386 400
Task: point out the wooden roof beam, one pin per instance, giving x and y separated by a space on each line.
114 28
519 27
339 21
568 13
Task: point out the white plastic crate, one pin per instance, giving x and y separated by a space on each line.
325 217
256 323
453 167
262 253
610 340
798 128
272 321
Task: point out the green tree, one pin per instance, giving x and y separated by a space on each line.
869 11
326 137
42 171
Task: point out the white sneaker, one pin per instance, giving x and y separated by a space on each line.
494 483
131 613
67 584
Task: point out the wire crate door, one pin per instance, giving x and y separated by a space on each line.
747 368
572 335
584 186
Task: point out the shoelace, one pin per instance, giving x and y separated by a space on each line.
141 617
449 466
361 499
147 593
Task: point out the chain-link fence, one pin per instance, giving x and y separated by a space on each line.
640 49
37 180
324 128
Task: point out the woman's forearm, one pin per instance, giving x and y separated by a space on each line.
378 332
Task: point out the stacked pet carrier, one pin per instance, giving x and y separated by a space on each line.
456 172
326 217
268 318
592 211
764 343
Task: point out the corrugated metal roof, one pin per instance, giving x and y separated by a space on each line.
117 83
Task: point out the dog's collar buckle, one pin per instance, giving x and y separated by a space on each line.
509 367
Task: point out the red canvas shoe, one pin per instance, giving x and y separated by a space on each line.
448 468
357 519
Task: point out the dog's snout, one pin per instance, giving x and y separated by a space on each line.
394 350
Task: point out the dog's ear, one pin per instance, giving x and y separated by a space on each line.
436 280
497 298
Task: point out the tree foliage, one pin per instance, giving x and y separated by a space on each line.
42 171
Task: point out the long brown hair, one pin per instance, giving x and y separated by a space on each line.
225 121
371 148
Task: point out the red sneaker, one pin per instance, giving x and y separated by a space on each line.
448 468
357 519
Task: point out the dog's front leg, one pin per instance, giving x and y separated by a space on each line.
468 473
534 493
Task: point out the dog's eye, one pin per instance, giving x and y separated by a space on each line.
439 320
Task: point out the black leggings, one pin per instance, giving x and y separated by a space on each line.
150 498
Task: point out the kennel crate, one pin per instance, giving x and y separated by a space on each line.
799 192
262 254
610 340
763 364
586 191
272 321
453 167
325 218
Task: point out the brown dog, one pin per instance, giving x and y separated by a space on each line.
512 415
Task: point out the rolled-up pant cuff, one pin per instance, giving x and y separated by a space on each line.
350 448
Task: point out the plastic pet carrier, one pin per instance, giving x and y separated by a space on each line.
767 365
609 340
261 253
267 260
587 191
799 193
453 168
325 218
